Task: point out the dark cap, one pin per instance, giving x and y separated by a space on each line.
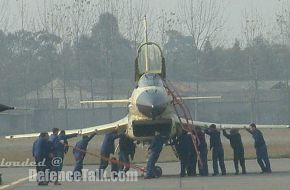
43 134
253 125
54 130
213 126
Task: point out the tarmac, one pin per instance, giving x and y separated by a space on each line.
279 179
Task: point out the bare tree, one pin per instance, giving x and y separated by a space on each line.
283 23
252 28
166 22
4 14
203 19
136 10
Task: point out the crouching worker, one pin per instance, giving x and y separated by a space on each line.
79 153
154 151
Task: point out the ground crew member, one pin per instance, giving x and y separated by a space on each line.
182 145
261 149
65 142
41 135
217 149
192 156
59 149
127 150
79 152
154 151
238 148
41 154
51 152
202 148
107 148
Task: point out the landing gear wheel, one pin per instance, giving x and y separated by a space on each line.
158 171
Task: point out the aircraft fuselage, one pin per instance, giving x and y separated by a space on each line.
150 110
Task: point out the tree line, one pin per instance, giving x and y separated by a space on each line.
30 60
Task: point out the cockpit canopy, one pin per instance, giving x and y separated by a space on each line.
150 79
150 59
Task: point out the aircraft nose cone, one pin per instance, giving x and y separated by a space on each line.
151 103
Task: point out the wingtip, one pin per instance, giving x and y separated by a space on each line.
9 137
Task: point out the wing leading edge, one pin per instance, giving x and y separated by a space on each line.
231 126
200 97
120 125
121 101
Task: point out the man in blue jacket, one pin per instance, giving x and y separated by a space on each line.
202 148
261 149
217 149
238 148
154 150
127 150
35 151
107 148
79 152
40 152
58 141
192 155
182 147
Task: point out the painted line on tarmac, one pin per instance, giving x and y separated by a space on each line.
21 180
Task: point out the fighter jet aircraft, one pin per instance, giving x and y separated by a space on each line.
150 106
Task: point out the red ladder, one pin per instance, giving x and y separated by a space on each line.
183 112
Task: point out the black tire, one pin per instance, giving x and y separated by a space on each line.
158 171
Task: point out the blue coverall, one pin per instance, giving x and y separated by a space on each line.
41 153
182 147
79 152
154 151
59 149
107 148
34 152
192 156
202 147
238 148
261 150
127 149
217 151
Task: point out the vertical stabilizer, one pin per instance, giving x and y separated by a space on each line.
146 41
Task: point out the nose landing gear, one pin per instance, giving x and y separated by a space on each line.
158 171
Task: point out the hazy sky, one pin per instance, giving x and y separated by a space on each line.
233 12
